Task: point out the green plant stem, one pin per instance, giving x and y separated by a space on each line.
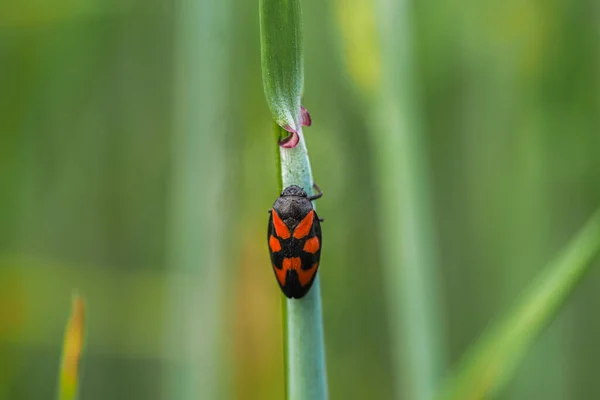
283 81
490 362
407 239
306 377
193 327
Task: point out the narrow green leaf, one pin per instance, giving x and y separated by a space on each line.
407 241
72 350
492 360
194 328
282 59
282 70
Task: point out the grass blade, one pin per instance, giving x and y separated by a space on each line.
490 362
283 75
72 351
194 329
282 59
405 217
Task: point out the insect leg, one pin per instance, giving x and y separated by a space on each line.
318 195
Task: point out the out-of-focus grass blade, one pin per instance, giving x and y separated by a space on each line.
193 327
358 30
408 238
72 350
492 360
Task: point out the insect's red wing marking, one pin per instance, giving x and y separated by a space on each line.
305 275
280 273
295 263
280 228
303 228
312 245
274 244
292 263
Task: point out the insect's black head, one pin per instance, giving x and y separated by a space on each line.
293 191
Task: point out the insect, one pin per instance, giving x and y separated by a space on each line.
294 238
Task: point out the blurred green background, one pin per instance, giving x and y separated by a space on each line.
92 176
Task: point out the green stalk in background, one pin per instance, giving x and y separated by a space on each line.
72 351
282 68
194 331
408 245
491 362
